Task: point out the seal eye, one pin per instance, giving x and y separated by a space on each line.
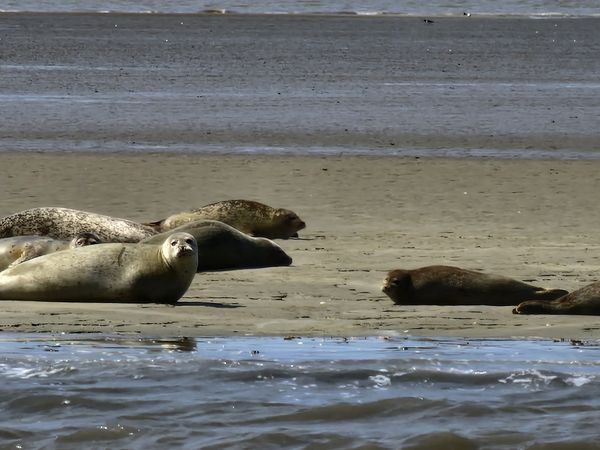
173 243
188 241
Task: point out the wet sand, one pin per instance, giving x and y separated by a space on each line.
535 220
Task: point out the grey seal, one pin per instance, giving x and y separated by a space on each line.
18 249
250 217
115 272
225 248
582 301
64 223
447 285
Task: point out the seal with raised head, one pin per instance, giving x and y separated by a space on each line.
225 248
18 249
64 223
585 301
250 217
447 285
116 272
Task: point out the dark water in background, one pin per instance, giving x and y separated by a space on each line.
74 391
414 7
516 87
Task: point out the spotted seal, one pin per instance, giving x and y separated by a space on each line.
250 217
225 248
18 249
116 272
584 301
447 285
63 223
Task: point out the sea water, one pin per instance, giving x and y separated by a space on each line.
92 391
403 7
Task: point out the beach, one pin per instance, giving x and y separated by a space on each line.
533 220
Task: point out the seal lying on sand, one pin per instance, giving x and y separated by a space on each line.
224 248
107 273
248 216
63 223
446 285
582 301
18 249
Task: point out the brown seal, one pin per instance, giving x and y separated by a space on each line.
582 301
446 285
64 223
18 249
250 217
222 247
159 273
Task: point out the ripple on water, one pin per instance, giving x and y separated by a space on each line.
336 393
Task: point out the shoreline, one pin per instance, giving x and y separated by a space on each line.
532 220
336 152
334 14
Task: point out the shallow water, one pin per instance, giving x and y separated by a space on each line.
75 391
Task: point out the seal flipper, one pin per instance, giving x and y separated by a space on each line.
156 226
549 294
536 307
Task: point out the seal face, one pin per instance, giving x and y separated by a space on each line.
18 249
224 248
64 223
447 285
250 217
115 272
582 301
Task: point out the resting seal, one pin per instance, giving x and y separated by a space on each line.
107 273
247 216
224 248
18 249
63 223
582 301
446 285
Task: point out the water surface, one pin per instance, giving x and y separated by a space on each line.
405 7
75 391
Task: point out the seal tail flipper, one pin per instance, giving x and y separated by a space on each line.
549 294
156 226
536 307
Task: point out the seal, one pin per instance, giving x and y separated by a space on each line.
18 249
225 248
250 217
114 272
582 301
447 285
63 223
